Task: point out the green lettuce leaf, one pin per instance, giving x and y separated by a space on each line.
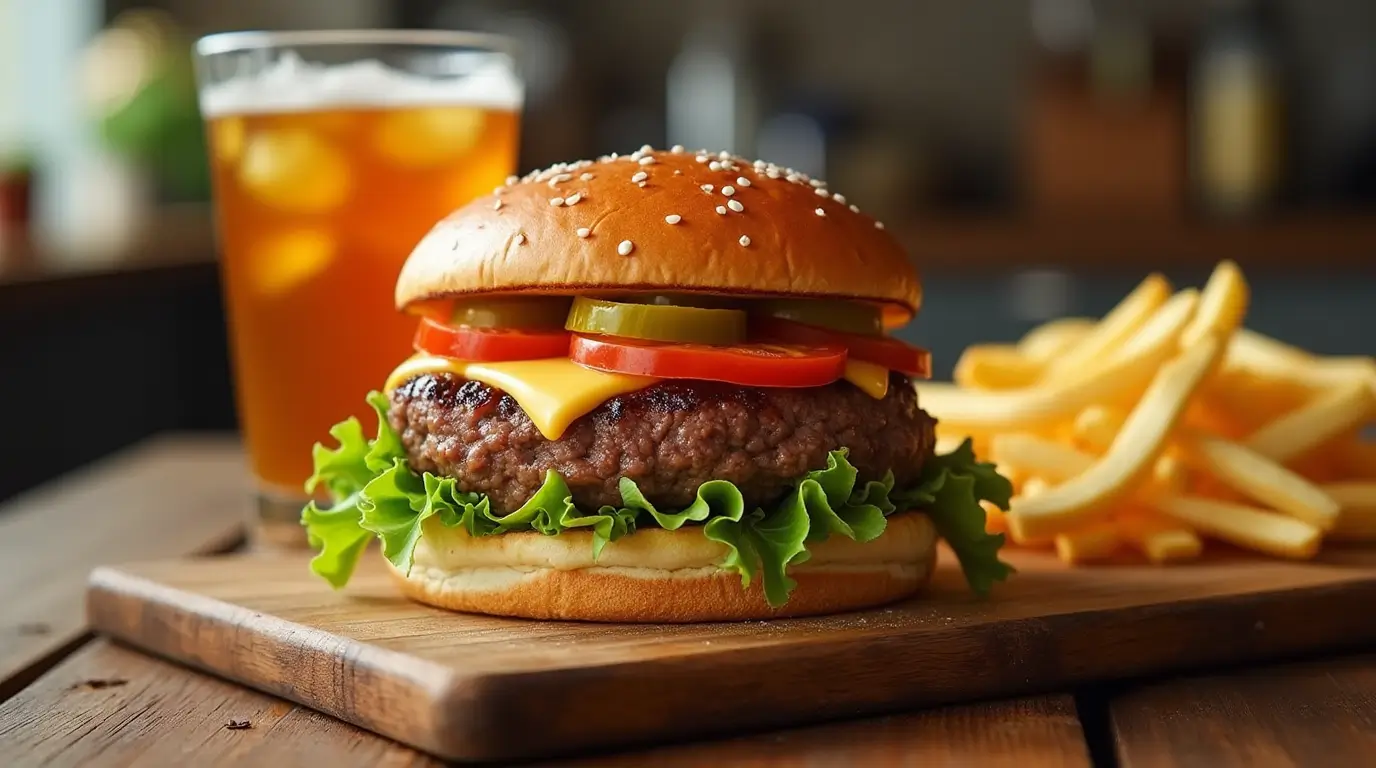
378 495
949 491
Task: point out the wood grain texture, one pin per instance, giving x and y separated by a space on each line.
454 685
108 705
1316 713
168 497
1034 732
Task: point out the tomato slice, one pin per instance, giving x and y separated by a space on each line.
894 354
488 344
749 365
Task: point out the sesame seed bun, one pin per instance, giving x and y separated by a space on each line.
657 576
742 228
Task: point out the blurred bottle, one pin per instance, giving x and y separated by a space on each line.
1238 111
1104 118
712 98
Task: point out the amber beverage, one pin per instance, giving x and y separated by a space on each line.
319 199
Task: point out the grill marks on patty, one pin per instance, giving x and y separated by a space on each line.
669 438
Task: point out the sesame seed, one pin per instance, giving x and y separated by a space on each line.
583 232
816 182
556 201
759 164
724 155
498 190
625 248
520 239
714 166
512 180
772 173
497 206
701 158
640 176
741 180
745 241
676 149
573 198
878 225
707 188
822 192
728 190
735 205
854 208
646 148
643 183
820 212
677 172
585 177
721 209
839 198
793 177
673 218
646 161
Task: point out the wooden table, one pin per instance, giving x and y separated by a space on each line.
68 698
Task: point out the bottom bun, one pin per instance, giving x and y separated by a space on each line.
657 576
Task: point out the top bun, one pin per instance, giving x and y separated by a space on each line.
742 228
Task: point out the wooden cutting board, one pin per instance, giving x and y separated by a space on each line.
481 688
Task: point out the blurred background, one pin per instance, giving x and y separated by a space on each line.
1037 157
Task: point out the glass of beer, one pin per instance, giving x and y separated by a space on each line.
333 153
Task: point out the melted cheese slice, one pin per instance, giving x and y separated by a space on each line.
872 379
555 392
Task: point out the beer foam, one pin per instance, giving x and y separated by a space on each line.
292 84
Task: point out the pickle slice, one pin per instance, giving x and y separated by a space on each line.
847 316
511 312
657 322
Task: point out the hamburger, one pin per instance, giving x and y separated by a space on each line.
657 387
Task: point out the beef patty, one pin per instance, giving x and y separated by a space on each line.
668 438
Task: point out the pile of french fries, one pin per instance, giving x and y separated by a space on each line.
1167 423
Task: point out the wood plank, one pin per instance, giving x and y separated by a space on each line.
1316 713
453 684
167 497
1035 732
107 705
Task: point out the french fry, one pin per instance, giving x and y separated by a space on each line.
1121 379
1262 480
948 443
1128 460
1243 402
1326 417
1096 426
1357 521
1356 459
1248 527
1033 486
994 521
1114 329
1054 337
996 366
1168 474
1038 456
1169 321
1096 541
1161 539
1222 305
1266 358
1165 424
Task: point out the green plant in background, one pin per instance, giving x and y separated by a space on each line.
146 106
